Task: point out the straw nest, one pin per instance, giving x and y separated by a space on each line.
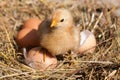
102 18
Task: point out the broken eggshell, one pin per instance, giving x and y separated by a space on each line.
87 42
39 59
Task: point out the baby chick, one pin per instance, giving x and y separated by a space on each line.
58 34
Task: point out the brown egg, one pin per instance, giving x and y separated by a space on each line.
40 59
32 23
27 38
88 42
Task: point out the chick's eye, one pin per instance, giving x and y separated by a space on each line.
61 20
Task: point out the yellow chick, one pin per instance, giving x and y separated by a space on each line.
58 34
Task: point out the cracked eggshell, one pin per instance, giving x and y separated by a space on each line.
87 42
35 59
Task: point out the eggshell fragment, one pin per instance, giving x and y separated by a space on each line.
35 59
32 23
27 38
87 42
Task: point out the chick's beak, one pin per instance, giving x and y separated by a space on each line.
53 24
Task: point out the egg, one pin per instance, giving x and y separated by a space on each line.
28 36
39 59
32 23
87 42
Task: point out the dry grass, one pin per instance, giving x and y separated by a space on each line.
103 64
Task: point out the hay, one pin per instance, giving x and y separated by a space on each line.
104 63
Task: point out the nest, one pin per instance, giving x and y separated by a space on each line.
100 18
